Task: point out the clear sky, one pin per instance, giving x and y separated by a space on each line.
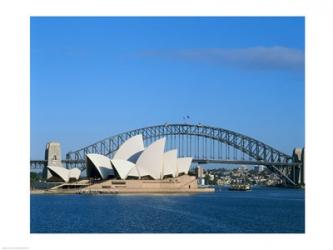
95 77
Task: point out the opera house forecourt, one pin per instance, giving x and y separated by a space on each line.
133 169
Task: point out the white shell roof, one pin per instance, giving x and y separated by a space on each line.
60 171
123 167
74 173
102 164
151 160
129 148
184 164
65 174
170 163
133 172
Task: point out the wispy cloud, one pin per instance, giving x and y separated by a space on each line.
258 58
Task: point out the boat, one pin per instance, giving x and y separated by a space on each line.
240 184
240 187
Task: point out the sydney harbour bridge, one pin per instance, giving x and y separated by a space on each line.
205 144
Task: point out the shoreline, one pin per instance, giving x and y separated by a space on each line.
122 192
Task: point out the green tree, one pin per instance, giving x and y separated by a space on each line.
34 177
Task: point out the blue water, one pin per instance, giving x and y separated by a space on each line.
262 210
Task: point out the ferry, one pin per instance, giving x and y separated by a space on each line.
240 187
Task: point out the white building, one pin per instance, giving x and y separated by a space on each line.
63 174
132 160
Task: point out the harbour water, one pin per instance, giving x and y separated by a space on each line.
261 210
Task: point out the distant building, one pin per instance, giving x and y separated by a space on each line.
243 168
259 169
200 172
201 181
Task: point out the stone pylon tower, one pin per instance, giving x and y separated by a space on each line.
298 172
53 157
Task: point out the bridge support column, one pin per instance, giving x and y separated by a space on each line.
298 169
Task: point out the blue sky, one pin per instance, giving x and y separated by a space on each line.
95 77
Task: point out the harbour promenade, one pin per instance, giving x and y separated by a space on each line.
181 184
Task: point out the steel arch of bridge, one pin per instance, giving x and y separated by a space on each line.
262 153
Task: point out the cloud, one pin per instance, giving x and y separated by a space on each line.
257 58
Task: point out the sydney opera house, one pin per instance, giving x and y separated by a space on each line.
133 168
133 161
